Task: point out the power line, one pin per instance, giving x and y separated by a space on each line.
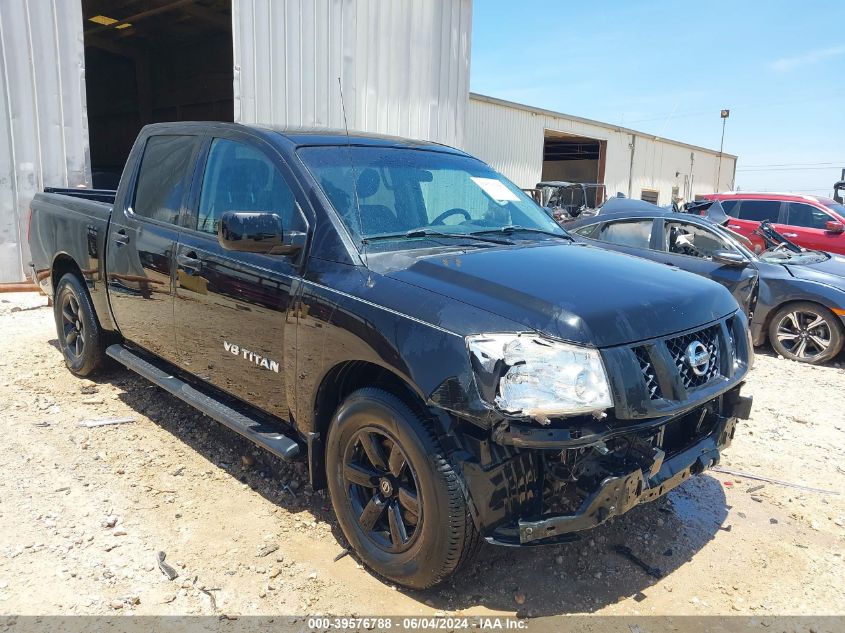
787 169
749 105
835 163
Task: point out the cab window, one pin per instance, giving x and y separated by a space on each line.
240 177
164 177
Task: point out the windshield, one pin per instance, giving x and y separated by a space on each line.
403 190
791 257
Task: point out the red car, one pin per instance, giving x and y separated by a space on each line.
813 222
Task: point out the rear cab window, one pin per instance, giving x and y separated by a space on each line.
164 177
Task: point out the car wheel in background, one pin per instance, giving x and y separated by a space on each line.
806 332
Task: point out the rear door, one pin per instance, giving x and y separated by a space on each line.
806 225
142 238
747 215
233 319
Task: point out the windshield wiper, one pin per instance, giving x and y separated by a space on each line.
423 232
515 228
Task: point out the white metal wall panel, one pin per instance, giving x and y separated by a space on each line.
510 138
404 65
43 124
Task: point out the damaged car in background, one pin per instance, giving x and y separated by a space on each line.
452 366
567 201
795 297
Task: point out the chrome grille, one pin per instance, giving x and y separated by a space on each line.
677 347
649 375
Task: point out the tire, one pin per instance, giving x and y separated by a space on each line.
399 501
81 339
806 332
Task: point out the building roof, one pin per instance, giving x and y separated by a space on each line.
608 126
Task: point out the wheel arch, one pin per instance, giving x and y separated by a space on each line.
770 314
341 380
62 265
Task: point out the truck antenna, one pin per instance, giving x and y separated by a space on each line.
354 185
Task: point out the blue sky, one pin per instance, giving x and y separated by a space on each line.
668 68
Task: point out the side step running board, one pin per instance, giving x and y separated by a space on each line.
259 432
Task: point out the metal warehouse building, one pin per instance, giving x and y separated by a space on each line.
530 144
79 78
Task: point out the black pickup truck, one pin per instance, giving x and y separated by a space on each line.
451 365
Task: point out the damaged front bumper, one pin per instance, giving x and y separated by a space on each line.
617 495
605 473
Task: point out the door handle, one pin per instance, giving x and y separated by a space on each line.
121 238
189 261
790 234
735 227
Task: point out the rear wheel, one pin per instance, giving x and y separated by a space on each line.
806 332
396 496
80 336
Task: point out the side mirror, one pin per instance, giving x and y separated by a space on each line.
834 227
727 258
249 232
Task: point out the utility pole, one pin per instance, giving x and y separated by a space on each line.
724 114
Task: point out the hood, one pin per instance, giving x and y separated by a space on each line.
830 271
574 292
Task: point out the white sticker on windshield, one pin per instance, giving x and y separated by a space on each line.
496 189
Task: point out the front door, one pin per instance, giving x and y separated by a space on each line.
806 225
232 308
142 240
691 247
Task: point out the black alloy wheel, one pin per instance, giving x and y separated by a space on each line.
81 339
397 497
73 328
383 490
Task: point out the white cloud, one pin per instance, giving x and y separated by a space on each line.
786 64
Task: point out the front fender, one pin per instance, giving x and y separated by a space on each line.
337 325
775 293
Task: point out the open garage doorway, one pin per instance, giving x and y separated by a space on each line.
576 159
148 61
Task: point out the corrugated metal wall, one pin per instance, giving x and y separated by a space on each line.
404 64
43 124
510 138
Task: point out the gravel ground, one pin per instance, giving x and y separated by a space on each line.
85 511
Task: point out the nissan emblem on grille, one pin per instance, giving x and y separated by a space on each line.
698 358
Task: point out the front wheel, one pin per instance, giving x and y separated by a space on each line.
396 496
80 336
806 332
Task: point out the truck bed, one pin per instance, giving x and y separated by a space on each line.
100 195
70 225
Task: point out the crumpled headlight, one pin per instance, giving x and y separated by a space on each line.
539 377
